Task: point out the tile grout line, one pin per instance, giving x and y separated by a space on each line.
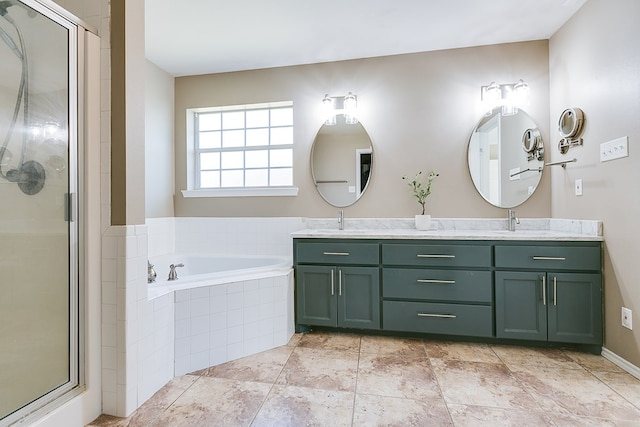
355 388
521 384
446 405
274 382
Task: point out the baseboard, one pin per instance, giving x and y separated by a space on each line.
622 363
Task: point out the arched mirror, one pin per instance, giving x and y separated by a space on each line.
506 158
341 160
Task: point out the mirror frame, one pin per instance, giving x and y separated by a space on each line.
357 183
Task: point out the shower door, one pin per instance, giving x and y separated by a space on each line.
39 358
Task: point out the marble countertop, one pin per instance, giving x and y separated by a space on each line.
543 229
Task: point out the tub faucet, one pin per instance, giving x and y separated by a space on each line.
341 219
513 220
172 271
151 273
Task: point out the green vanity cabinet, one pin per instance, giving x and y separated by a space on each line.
549 293
511 290
338 295
437 288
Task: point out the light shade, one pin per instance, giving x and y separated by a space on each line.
329 110
346 105
510 97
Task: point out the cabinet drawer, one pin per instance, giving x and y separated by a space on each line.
338 253
450 319
443 285
548 257
436 255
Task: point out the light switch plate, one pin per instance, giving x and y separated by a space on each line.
615 149
578 187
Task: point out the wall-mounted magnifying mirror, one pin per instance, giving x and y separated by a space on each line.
341 161
502 173
570 127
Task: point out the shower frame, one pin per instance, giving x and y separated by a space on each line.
76 211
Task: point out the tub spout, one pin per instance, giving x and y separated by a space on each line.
151 273
173 275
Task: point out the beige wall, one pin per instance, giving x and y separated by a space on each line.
159 145
127 112
418 109
595 65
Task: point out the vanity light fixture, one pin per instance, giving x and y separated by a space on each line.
346 105
329 110
509 96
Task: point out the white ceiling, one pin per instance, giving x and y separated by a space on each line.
188 37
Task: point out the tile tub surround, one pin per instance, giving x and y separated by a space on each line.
216 324
396 381
455 228
138 348
229 236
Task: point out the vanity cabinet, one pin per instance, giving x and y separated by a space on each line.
542 291
549 293
338 284
440 288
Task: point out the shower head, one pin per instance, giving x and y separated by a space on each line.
4 5
30 177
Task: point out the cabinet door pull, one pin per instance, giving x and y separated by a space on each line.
549 258
336 253
340 282
440 316
555 289
435 256
445 282
332 284
544 290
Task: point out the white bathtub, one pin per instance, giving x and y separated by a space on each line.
211 269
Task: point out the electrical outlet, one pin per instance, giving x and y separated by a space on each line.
578 187
615 149
627 318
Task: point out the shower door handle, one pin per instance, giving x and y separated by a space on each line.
69 199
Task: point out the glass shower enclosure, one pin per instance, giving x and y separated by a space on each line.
39 268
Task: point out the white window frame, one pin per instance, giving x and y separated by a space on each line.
193 169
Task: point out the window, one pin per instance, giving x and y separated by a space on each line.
243 147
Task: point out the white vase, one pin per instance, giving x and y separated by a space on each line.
423 222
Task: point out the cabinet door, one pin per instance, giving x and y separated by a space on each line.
315 295
575 308
521 311
359 297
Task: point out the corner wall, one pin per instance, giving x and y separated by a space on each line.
159 155
594 64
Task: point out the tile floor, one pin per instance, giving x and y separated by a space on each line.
332 379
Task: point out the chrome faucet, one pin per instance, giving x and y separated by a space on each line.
341 219
151 273
513 220
173 275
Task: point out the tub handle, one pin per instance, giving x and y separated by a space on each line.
173 275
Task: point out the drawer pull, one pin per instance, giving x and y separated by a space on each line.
336 253
440 316
435 256
549 258
445 282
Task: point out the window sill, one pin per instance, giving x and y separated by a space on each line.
241 192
